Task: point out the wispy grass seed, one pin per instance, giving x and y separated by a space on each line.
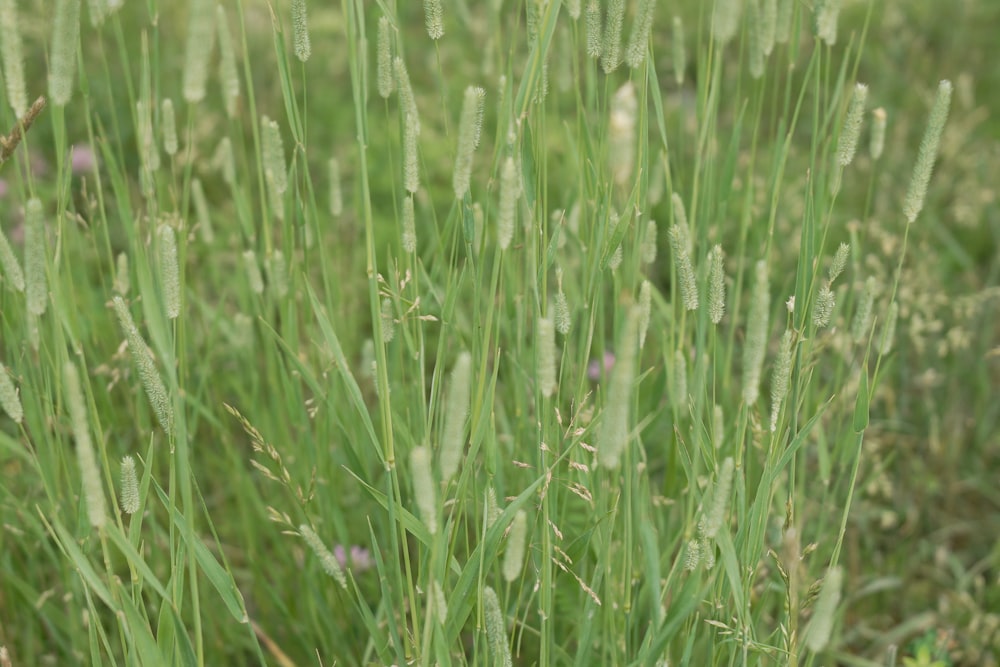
300 30
927 155
36 283
198 49
143 360
9 398
129 486
93 490
62 59
12 55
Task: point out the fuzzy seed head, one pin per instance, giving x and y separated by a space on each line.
434 19
546 341
680 379
496 631
10 264
423 487
223 161
755 46
645 310
130 486
327 560
409 235
202 214
823 309
408 103
839 261
9 399
611 42
513 557
783 21
383 59
716 285
650 243
510 192
768 25
915 195
143 360
594 30
170 280
198 50
756 335
36 284
639 38
889 329
300 30
561 314
613 435
782 373
122 282
229 78
273 151
453 434
277 274
93 492
388 323
726 20
847 145
684 268
827 12
168 127
62 59
12 55
469 130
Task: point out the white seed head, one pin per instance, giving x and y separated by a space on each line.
327 560
300 30
9 399
927 155
229 77
513 557
130 486
457 409
170 276
12 55
423 487
35 281
756 335
198 49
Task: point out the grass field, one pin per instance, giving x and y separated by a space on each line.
555 332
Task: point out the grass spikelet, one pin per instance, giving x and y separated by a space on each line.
456 410
439 602
469 129
224 162
510 192
229 77
384 77
561 313
917 191
847 144
594 29
10 264
496 631
645 310
650 243
783 21
716 284
573 9
513 557
300 30
817 635
768 25
273 153
434 19
168 127
407 102
62 59
827 13
888 336
143 360
326 559
130 486
35 282
423 487
726 20
756 337
170 276
12 54
9 398
823 308
198 49
93 491
780 378
684 268
409 234
545 337
692 555
755 47
839 261
388 323
638 41
411 171
614 428
611 40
